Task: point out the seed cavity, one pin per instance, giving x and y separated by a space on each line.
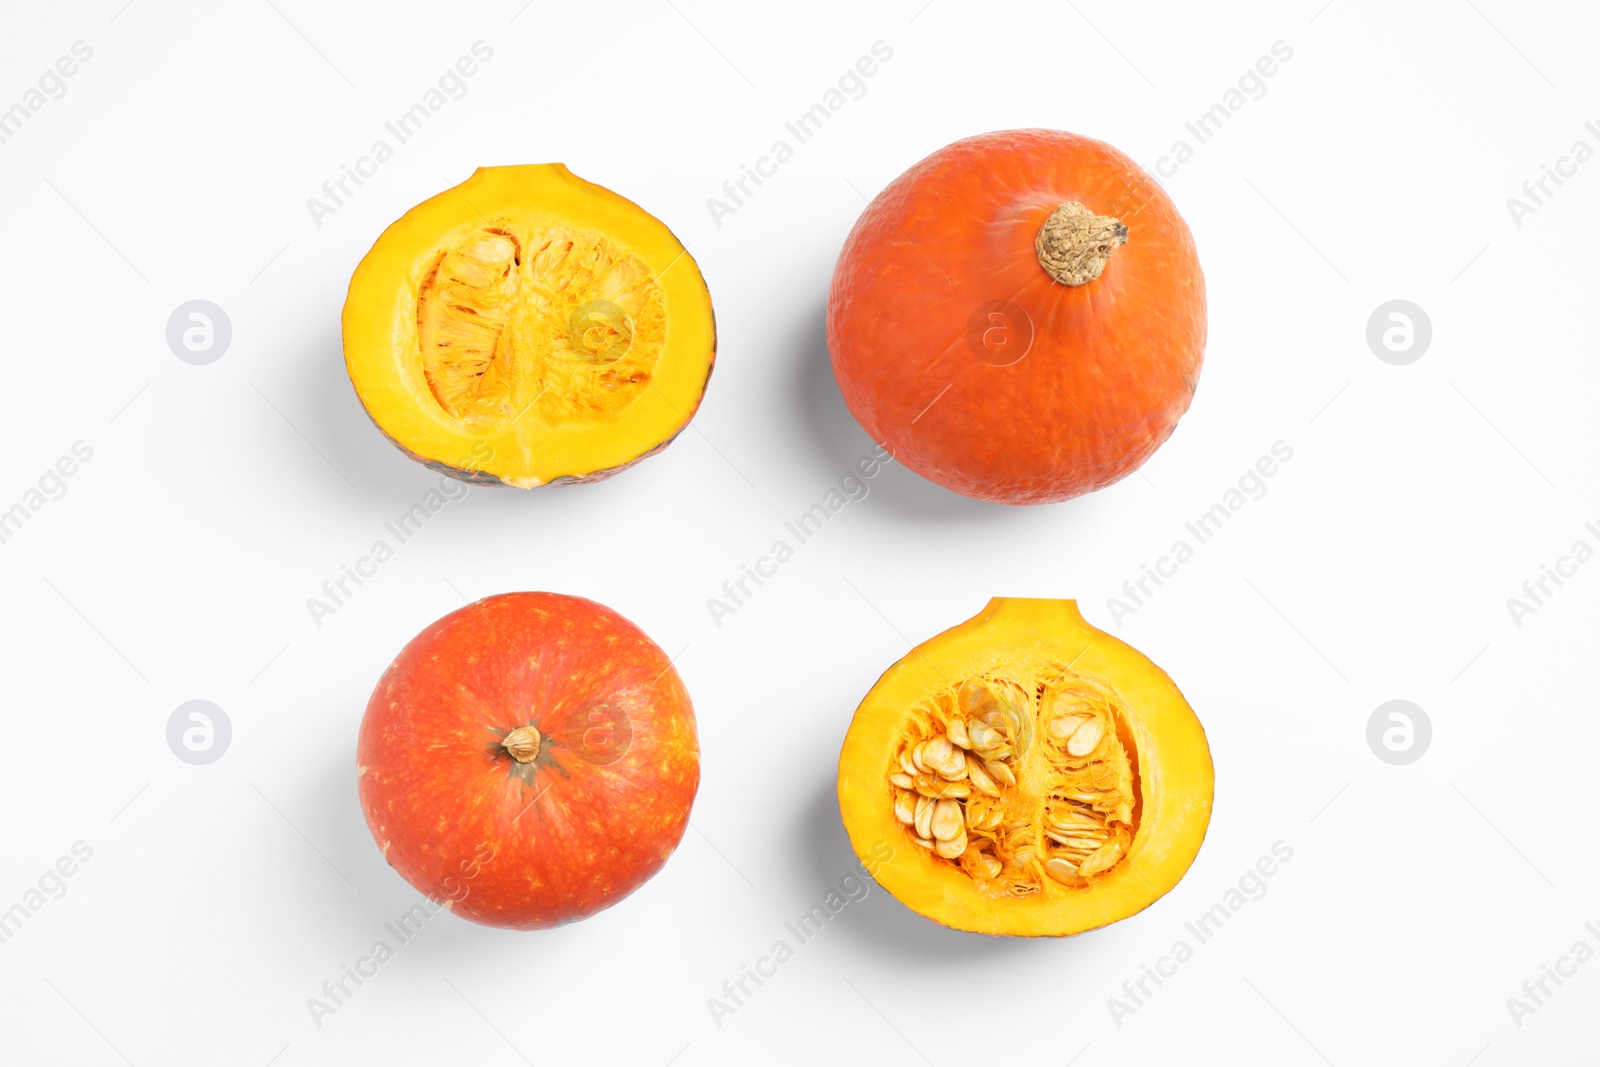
562 322
1027 785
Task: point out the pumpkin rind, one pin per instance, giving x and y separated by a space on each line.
1109 365
1019 635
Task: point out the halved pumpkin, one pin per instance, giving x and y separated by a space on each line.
1030 775
529 327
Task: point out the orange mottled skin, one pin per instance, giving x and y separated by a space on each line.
1113 364
532 845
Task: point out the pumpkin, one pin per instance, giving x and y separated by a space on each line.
528 760
1025 774
527 328
1019 317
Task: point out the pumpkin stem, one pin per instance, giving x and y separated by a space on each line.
1074 244
522 743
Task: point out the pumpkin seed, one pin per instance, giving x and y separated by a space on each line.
981 781
1066 725
1067 818
957 731
1000 772
975 698
947 821
1087 737
1062 871
955 768
1104 857
983 816
1086 844
982 736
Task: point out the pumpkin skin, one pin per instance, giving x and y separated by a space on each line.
957 351
529 328
603 797
1038 644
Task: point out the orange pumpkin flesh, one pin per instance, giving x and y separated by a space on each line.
528 760
1007 366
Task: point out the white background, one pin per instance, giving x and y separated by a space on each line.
219 498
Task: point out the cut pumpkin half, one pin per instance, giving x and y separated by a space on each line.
1027 774
528 327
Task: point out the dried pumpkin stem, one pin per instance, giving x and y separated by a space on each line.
523 744
1074 244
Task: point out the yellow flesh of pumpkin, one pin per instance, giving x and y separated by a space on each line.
529 326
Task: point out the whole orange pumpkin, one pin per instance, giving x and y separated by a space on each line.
1019 317
528 760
